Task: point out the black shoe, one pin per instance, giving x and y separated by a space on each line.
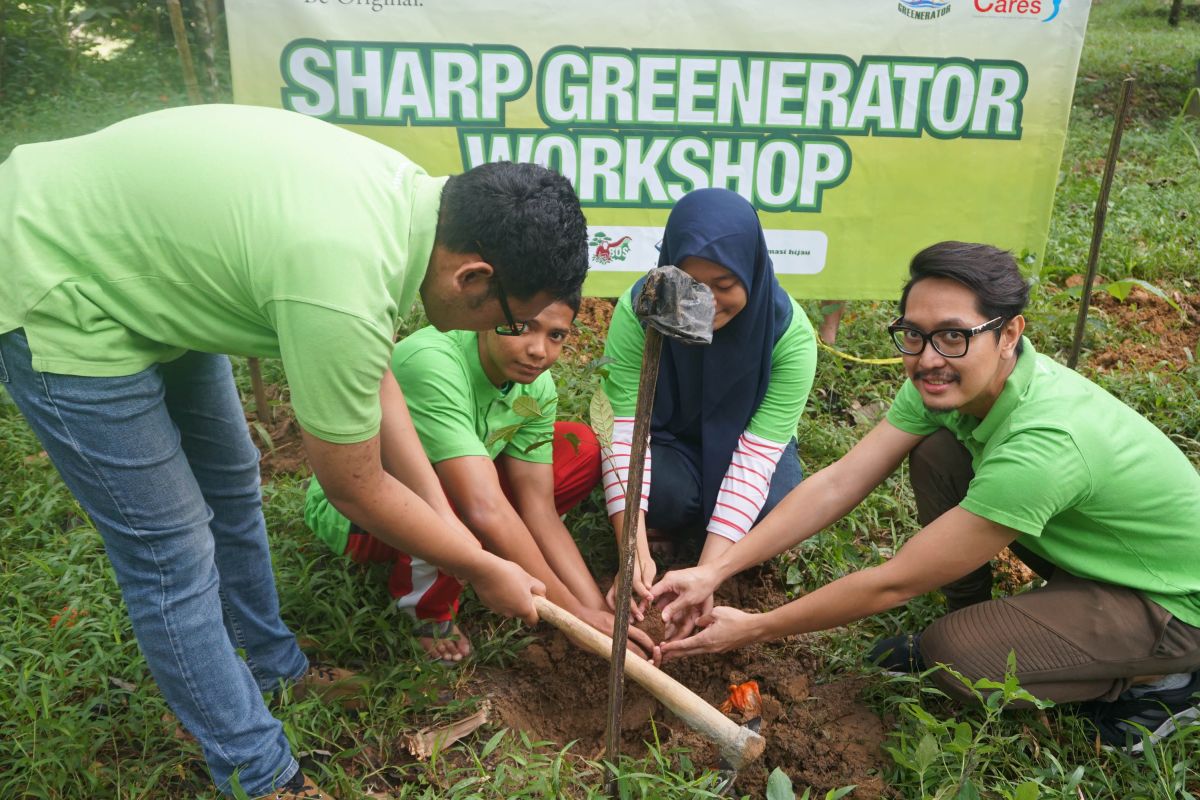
1120 723
898 655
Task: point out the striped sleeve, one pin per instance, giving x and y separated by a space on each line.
615 467
744 489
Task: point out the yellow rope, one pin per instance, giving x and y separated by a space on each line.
849 357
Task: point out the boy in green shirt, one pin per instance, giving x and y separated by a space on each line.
484 407
1007 448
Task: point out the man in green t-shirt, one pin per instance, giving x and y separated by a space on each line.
484 406
135 254
1007 448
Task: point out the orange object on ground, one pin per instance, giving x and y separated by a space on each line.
745 698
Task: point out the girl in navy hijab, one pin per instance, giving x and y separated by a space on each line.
722 443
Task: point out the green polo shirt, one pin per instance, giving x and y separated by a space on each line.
457 411
1090 484
224 229
793 365
455 407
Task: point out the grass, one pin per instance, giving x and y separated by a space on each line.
81 717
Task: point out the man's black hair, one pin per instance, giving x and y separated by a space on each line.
990 273
522 219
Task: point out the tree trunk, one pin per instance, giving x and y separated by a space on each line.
185 52
1176 8
208 48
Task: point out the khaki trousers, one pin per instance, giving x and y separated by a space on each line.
1074 639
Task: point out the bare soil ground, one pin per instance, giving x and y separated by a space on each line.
821 735
1151 334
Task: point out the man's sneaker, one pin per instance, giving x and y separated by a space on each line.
898 655
300 787
331 684
1160 712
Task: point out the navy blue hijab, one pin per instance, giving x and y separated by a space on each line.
707 394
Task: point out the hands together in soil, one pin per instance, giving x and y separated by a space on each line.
644 570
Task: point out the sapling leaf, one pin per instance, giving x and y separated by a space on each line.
506 433
525 406
530 448
600 412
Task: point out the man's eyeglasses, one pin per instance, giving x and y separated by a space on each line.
949 342
511 326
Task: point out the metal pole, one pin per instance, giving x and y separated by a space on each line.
1110 165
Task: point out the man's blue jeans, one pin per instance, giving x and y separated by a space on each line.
163 464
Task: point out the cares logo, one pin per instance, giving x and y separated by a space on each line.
1020 9
607 250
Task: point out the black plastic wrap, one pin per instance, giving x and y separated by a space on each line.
676 306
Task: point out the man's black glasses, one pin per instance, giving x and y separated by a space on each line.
511 326
949 342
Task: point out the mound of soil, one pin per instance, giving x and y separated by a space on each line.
820 735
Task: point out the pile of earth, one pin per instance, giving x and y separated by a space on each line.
821 735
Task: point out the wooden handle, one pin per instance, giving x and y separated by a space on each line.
737 745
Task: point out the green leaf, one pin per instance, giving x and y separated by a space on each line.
600 412
506 433
967 792
1121 289
572 440
530 448
838 794
492 744
962 734
525 406
779 786
1029 790
927 751
264 436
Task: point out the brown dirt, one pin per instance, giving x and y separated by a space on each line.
591 326
820 735
1151 334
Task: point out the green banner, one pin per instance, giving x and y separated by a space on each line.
862 131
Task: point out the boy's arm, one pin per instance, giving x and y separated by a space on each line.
473 486
356 483
532 487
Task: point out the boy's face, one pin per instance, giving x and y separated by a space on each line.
521 359
969 384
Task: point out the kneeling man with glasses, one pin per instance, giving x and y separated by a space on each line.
1006 448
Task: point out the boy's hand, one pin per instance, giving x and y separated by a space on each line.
506 588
